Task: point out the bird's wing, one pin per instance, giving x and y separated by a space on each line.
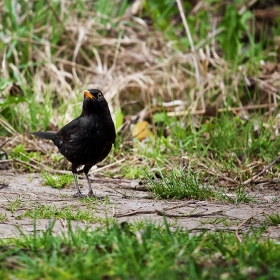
68 133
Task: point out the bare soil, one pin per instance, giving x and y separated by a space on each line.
129 201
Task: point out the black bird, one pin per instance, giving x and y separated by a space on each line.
87 139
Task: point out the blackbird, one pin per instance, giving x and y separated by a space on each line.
88 139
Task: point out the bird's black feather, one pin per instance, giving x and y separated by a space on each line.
87 139
45 135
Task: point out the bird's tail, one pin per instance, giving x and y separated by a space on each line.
46 135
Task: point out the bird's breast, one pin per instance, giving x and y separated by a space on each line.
90 143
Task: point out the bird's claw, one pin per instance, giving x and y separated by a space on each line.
91 194
79 195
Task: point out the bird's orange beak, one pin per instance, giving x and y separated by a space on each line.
88 94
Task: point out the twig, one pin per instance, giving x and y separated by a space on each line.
238 228
153 211
3 185
268 181
6 160
180 205
7 126
185 24
259 174
134 213
123 195
220 110
194 56
215 172
107 166
51 170
4 143
134 188
10 193
209 37
246 7
162 213
42 166
27 164
68 33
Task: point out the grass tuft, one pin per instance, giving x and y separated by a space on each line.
240 196
178 184
68 213
57 181
273 219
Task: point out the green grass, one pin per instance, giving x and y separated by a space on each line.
185 184
41 89
131 171
226 144
3 218
117 252
57 181
179 184
37 100
273 219
218 220
67 212
15 204
240 196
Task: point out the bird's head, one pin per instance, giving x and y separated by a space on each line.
94 102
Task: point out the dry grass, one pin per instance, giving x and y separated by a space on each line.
135 65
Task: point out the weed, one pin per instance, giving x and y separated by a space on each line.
178 184
20 152
106 200
273 219
241 196
133 171
63 195
3 218
235 24
68 212
215 221
90 202
57 181
14 205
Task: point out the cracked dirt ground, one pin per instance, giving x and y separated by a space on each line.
128 201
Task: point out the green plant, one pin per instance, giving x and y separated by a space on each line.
235 24
68 213
14 205
179 184
118 251
241 196
133 171
57 181
273 219
164 12
3 218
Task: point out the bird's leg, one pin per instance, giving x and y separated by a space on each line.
78 193
90 191
86 170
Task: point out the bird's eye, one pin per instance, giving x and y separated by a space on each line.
99 95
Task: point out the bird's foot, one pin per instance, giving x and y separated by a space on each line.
79 195
91 194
